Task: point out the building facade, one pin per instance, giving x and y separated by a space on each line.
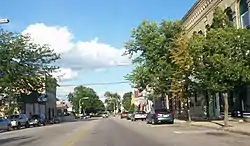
201 14
196 20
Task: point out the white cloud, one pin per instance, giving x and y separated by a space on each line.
65 74
79 54
62 92
75 54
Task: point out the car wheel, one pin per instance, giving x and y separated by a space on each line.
27 125
18 126
9 128
172 122
153 122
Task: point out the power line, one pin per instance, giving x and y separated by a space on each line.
97 84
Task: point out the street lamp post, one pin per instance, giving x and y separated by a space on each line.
4 20
84 98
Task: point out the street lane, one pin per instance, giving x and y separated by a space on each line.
117 132
111 133
51 135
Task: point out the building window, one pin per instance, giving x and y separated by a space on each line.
244 13
229 13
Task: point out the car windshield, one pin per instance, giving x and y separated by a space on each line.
14 116
140 112
163 111
35 116
130 112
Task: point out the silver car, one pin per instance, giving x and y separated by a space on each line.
5 124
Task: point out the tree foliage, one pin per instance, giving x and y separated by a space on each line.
151 42
126 101
113 101
23 64
222 61
216 61
89 100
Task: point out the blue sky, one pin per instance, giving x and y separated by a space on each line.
76 24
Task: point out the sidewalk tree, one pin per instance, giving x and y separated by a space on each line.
112 100
140 77
91 103
126 101
23 64
224 58
182 70
150 44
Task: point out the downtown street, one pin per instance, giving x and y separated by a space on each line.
117 132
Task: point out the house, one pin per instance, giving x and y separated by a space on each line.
195 20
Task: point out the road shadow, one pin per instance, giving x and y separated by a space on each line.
16 139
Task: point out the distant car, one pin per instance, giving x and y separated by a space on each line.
160 116
54 120
5 124
124 115
104 115
37 120
129 115
139 115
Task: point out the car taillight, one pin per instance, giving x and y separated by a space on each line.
156 114
172 113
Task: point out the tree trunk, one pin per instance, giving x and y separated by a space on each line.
207 103
225 97
188 109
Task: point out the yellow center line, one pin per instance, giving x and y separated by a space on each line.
75 136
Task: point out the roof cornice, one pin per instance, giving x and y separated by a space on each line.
190 11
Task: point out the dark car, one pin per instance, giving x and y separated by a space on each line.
130 115
160 116
124 115
37 120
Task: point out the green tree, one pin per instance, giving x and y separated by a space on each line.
183 67
113 100
90 102
23 64
151 42
126 101
223 58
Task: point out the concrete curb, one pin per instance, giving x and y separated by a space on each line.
224 129
236 131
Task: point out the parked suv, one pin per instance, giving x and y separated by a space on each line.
18 121
37 120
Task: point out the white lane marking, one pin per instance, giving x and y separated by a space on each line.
177 132
192 132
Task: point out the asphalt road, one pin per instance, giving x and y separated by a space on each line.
117 132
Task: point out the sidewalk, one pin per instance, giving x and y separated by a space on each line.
234 127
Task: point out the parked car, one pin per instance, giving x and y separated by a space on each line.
5 124
18 121
139 115
54 120
160 116
124 115
105 115
129 115
37 120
